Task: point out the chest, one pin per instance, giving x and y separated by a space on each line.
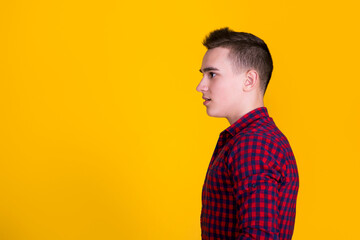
218 177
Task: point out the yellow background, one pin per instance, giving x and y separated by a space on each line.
103 135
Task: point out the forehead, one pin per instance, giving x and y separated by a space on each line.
217 57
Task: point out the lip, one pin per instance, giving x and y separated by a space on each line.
206 102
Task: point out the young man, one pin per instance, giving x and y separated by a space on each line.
251 185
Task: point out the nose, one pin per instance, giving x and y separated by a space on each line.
202 86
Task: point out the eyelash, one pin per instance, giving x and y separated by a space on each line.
211 74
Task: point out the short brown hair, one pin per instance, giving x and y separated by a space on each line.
247 50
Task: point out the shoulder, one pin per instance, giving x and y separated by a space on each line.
264 136
258 150
258 143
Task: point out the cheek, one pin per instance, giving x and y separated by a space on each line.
226 92
235 90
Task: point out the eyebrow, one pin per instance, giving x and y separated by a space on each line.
209 69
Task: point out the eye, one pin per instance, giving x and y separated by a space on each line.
212 74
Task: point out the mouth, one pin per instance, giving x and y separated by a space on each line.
207 100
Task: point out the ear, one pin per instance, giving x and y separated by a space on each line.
251 80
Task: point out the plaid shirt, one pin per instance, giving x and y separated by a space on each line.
251 185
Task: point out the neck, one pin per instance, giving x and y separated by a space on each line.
245 110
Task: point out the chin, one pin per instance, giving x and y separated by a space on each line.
214 114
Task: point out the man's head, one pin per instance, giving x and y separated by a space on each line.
237 68
246 52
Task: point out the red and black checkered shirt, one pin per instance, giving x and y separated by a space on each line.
251 185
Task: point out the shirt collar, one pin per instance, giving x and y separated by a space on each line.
246 120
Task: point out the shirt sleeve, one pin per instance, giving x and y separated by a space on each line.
257 173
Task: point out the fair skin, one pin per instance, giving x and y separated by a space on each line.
232 93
